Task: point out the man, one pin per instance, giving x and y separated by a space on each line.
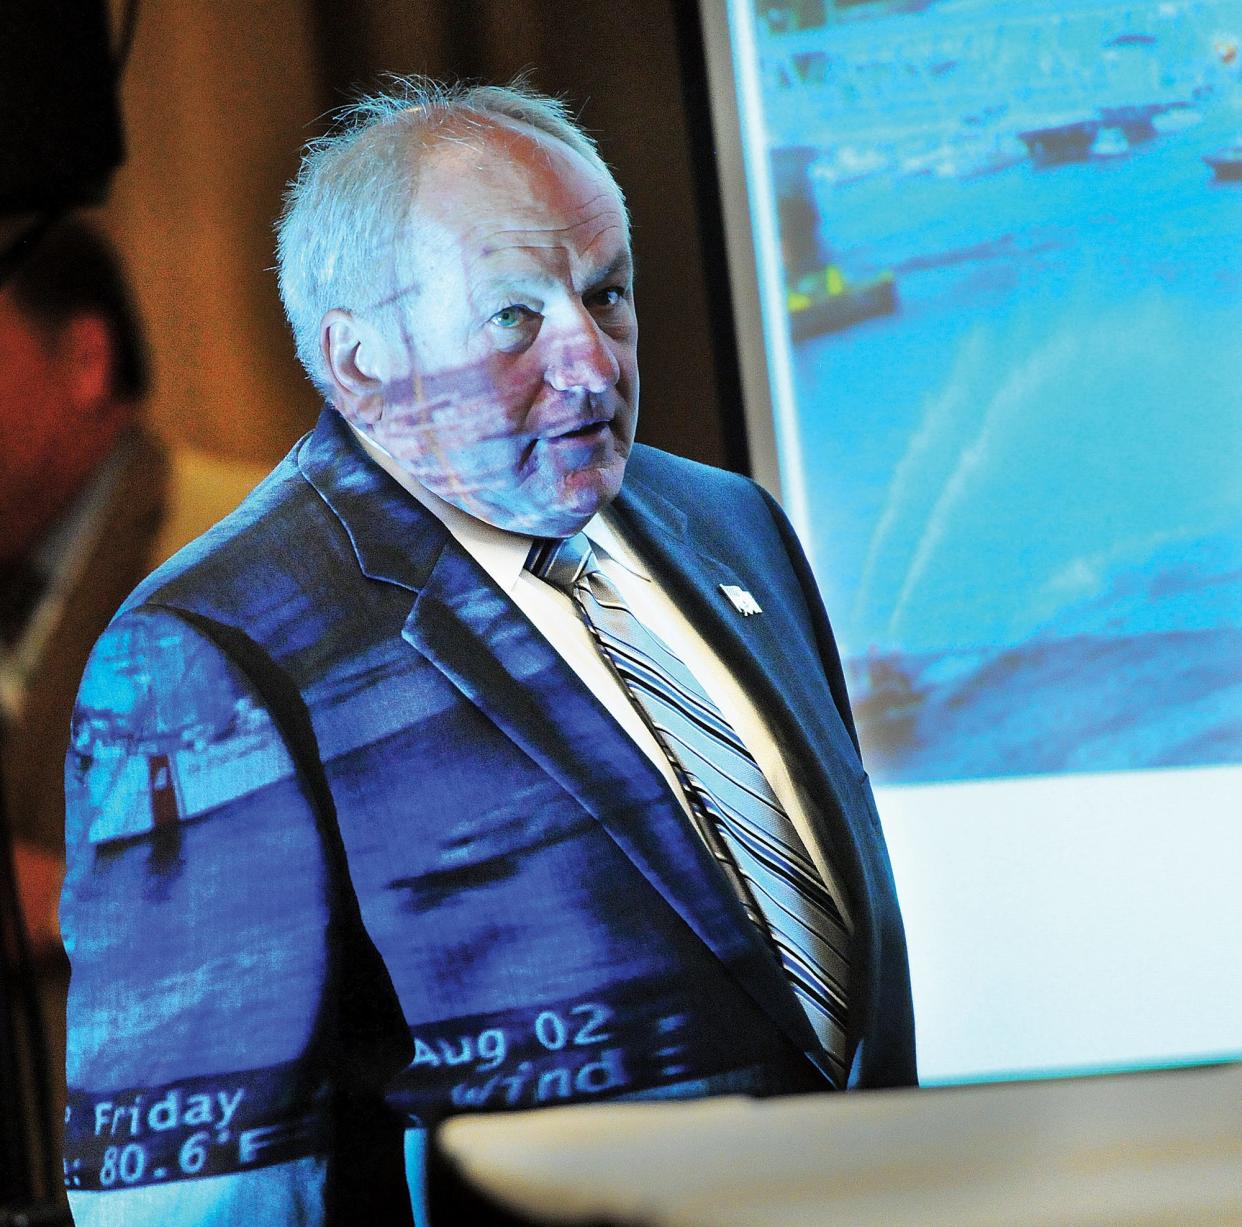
372 821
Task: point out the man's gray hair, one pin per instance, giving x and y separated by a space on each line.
346 210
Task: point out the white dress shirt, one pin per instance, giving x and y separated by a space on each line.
502 555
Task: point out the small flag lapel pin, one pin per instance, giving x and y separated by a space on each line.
741 600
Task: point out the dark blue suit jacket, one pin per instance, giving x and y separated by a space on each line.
351 848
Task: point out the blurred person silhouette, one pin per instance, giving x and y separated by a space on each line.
82 486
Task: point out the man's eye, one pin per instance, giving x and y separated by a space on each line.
610 296
511 317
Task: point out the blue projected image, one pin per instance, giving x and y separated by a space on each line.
1009 232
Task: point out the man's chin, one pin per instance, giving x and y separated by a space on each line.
581 495
565 512
562 521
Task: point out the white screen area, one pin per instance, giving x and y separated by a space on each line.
985 264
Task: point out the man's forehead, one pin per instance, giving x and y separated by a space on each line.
500 148
521 201
598 243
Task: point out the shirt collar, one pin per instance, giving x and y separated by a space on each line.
502 554
608 543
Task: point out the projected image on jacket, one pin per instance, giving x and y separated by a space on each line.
207 876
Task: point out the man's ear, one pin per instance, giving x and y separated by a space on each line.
84 351
358 358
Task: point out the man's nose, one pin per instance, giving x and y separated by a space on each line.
581 358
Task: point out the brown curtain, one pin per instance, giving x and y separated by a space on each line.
216 100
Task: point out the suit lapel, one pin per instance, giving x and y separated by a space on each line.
818 749
754 648
485 646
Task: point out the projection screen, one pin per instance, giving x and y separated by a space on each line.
984 257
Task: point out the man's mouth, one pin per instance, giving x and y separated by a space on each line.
585 431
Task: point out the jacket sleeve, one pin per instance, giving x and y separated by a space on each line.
200 920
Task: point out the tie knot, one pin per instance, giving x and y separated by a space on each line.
561 560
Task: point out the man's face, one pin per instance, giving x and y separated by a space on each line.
55 423
513 393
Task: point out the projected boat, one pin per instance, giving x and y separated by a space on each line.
825 302
1110 143
1056 144
1226 163
819 297
1136 121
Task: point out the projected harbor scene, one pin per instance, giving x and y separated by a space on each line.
1010 235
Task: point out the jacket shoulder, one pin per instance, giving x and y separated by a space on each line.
706 495
721 508
666 472
257 548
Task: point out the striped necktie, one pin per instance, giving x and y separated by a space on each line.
737 813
